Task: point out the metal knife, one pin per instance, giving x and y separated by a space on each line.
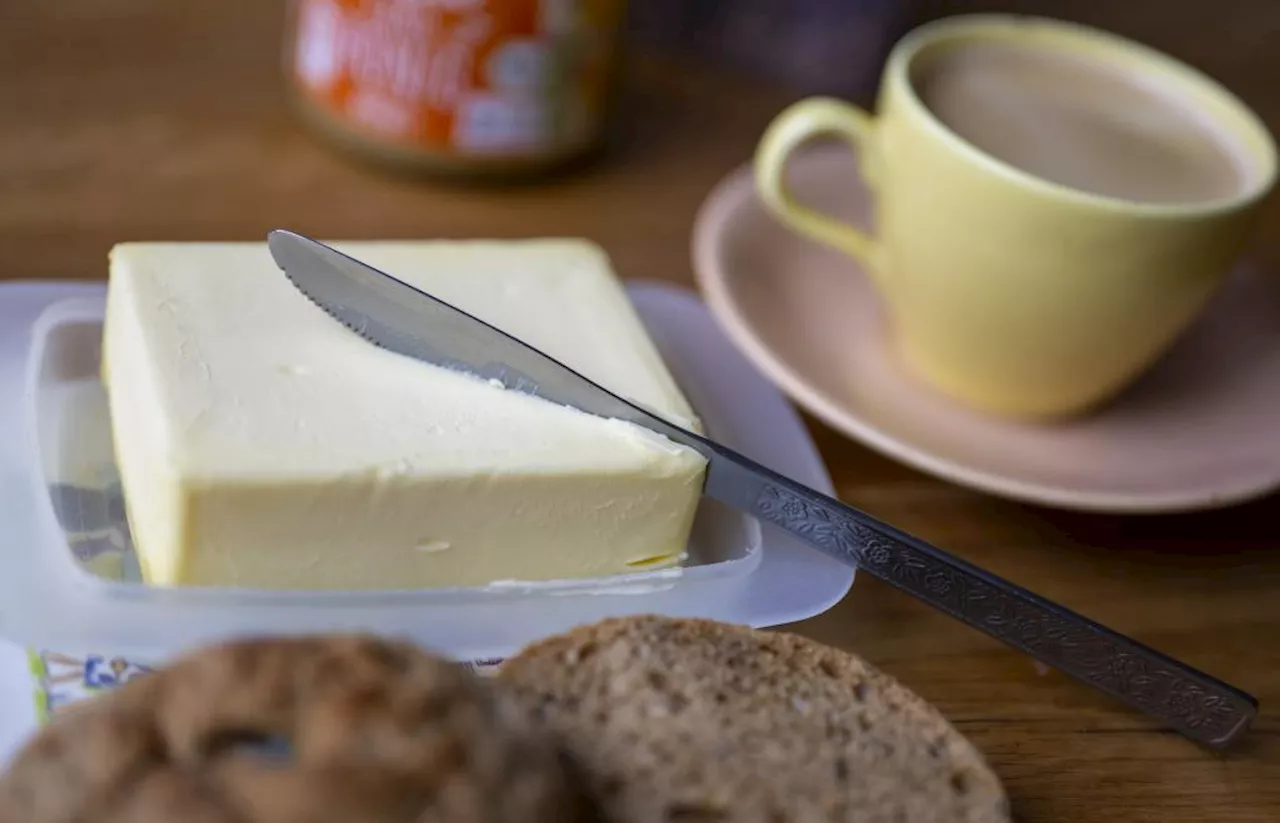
396 316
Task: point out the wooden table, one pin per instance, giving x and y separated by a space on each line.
143 122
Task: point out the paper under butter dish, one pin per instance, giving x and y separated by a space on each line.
59 499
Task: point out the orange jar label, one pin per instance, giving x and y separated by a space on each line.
504 78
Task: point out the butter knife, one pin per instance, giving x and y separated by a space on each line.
403 319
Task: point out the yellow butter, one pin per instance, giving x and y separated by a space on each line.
262 444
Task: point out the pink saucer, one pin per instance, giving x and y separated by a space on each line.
1200 430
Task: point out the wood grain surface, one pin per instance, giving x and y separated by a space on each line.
153 119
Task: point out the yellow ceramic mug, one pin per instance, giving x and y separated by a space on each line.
1009 292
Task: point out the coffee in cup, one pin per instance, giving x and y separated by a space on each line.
1082 123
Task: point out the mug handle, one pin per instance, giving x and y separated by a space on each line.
796 125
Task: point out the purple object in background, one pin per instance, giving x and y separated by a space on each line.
813 46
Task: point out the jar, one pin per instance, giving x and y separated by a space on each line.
481 88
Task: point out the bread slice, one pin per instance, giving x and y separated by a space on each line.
694 720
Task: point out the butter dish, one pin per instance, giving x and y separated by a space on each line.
70 594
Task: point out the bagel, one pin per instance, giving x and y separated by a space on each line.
347 729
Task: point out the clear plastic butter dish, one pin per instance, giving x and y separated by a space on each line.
70 593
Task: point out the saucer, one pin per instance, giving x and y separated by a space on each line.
1197 431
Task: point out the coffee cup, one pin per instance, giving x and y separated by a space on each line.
1053 205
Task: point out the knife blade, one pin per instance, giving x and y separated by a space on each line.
397 316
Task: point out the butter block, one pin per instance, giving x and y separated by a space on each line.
262 444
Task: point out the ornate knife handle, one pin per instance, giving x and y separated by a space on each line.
1190 701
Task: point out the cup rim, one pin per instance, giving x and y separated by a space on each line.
904 54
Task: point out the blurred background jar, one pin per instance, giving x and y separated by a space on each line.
477 88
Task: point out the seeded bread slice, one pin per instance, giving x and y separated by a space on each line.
693 720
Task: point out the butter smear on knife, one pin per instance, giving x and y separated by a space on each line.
262 444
